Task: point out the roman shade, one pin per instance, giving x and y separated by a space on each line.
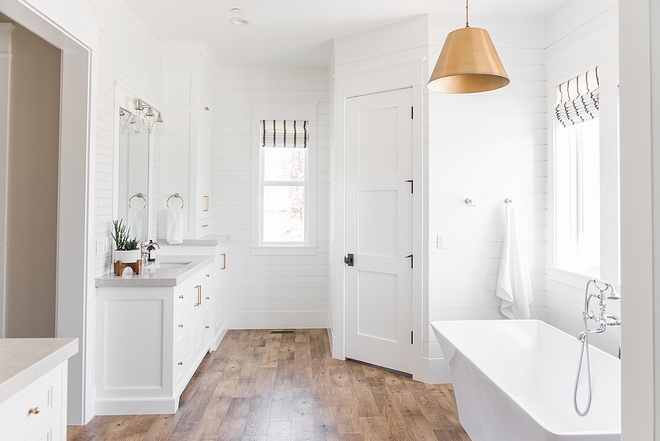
281 133
578 99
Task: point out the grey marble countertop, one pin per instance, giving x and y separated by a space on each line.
166 271
209 241
23 360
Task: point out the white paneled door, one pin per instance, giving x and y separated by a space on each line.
379 229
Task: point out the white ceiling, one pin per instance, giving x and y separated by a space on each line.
299 32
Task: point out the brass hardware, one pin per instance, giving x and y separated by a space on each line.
207 326
224 261
181 296
199 295
181 325
206 108
208 275
34 411
207 202
181 363
205 225
208 298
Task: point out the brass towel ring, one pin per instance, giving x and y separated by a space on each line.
138 195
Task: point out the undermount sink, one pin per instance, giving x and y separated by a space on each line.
165 266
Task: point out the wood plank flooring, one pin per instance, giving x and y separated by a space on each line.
260 386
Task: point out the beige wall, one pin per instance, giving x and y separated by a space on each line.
32 189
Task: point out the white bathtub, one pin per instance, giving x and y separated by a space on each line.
514 381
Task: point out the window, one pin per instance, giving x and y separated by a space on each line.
577 175
283 178
283 182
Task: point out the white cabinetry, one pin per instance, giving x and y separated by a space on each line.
150 341
33 388
215 246
186 153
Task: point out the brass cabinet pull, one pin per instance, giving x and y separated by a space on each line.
180 325
207 203
199 295
181 363
207 327
208 298
181 296
205 225
207 108
34 411
208 275
224 261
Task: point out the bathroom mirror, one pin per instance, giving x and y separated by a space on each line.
133 176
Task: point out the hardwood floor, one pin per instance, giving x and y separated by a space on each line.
260 386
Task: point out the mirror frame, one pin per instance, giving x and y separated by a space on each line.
125 98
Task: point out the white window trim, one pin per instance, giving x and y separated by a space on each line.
609 183
283 110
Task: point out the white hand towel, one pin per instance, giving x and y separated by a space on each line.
174 225
514 286
135 223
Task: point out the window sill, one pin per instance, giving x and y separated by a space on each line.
283 250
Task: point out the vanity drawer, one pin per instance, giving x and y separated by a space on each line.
33 407
53 430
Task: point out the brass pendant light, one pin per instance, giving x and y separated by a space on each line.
468 63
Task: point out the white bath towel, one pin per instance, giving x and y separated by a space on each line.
175 225
514 286
136 222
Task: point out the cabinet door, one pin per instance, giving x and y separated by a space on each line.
208 302
205 130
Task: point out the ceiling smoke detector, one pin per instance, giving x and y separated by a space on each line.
239 21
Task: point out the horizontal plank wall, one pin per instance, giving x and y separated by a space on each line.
128 52
488 147
267 291
580 36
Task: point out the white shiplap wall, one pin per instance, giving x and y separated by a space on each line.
580 36
487 147
267 291
128 52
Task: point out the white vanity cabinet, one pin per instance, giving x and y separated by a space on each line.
187 95
216 247
33 388
151 339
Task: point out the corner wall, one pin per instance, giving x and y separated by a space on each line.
488 147
267 291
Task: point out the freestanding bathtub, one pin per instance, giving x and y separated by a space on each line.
514 381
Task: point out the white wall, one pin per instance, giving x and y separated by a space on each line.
488 147
267 291
587 39
128 52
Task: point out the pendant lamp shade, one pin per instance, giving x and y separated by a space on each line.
468 63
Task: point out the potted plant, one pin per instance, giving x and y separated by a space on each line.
127 250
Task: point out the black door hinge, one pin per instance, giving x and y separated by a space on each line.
411 260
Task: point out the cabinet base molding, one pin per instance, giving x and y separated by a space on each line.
136 407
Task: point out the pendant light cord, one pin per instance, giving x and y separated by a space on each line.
467 23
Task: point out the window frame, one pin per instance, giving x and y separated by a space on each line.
283 110
609 181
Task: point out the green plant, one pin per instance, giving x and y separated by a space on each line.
122 237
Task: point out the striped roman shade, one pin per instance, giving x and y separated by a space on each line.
279 133
578 99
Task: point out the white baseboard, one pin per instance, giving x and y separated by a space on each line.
219 335
277 319
165 406
435 371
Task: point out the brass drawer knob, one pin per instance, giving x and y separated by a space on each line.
208 298
34 411
181 363
180 296
207 326
181 325
205 225
206 108
208 275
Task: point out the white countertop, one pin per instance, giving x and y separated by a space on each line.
211 240
23 360
158 277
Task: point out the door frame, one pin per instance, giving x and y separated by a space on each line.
69 27
385 79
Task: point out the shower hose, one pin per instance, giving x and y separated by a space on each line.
585 348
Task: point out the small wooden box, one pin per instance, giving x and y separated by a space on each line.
136 266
